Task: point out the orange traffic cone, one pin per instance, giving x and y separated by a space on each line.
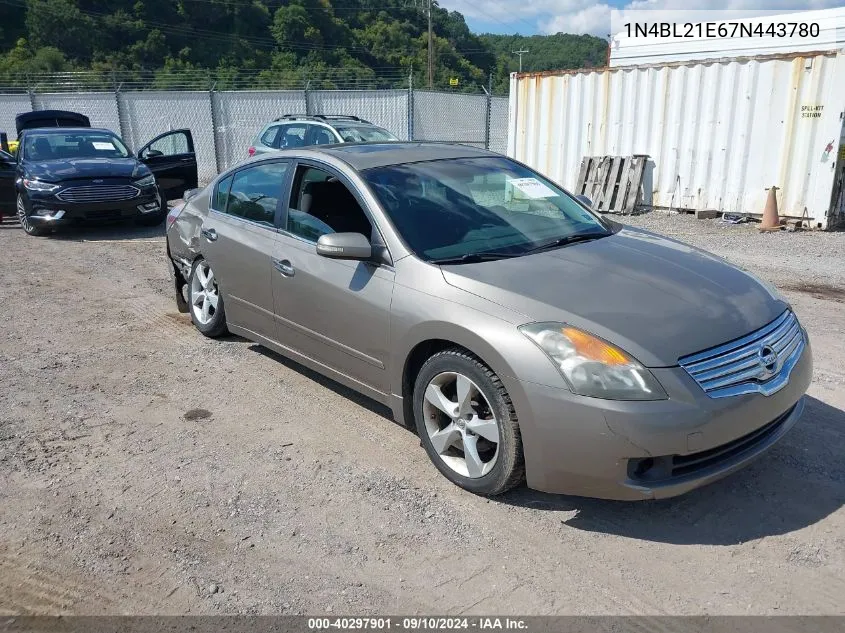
770 212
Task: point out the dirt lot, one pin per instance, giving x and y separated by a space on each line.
145 469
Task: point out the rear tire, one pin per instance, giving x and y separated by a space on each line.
29 227
205 302
467 423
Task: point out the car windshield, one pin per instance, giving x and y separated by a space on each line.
73 144
363 133
464 208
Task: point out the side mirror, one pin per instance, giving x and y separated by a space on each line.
151 153
585 201
344 246
190 193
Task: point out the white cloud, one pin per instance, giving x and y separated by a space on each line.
583 16
594 19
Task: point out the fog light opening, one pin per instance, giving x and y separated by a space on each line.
48 214
149 207
642 467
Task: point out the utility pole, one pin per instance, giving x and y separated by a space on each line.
520 52
430 50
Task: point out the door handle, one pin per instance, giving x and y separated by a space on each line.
283 266
209 234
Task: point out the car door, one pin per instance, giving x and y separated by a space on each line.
238 238
336 312
291 135
8 166
267 142
171 157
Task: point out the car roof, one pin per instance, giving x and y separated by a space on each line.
361 156
332 120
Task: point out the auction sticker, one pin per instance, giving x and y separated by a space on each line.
532 188
102 145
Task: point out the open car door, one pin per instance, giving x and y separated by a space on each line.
8 166
171 158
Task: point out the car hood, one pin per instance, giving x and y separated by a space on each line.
71 168
656 298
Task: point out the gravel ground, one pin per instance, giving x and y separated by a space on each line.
811 257
146 469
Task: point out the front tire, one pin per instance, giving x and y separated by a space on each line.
467 423
205 302
28 226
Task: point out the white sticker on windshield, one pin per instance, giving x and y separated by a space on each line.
532 188
103 145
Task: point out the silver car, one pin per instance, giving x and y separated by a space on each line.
298 130
523 337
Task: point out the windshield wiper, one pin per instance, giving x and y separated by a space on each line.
473 258
565 241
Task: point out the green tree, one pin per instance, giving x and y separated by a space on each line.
60 23
253 43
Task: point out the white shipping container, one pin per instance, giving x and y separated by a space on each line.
718 133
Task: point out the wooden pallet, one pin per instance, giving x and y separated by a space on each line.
612 182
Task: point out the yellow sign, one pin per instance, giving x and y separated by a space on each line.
453 81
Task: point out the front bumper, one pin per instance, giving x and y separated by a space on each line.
646 450
146 203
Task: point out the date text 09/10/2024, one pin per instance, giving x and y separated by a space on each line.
417 623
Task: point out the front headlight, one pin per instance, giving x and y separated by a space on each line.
37 185
593 367
146 181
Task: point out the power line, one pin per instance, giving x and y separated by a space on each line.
491 17
267 42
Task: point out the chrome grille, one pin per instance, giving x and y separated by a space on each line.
758 363
98 193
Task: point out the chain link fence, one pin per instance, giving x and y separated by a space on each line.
224 123
239 115
10 106
458 118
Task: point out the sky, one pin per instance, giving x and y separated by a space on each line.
583 16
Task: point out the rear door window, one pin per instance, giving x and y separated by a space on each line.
321 136
255 192
291 135
221 195
269 137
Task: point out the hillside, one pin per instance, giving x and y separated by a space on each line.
266 43
545 52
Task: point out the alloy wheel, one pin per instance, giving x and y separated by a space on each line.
461 424
204 293
26 224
